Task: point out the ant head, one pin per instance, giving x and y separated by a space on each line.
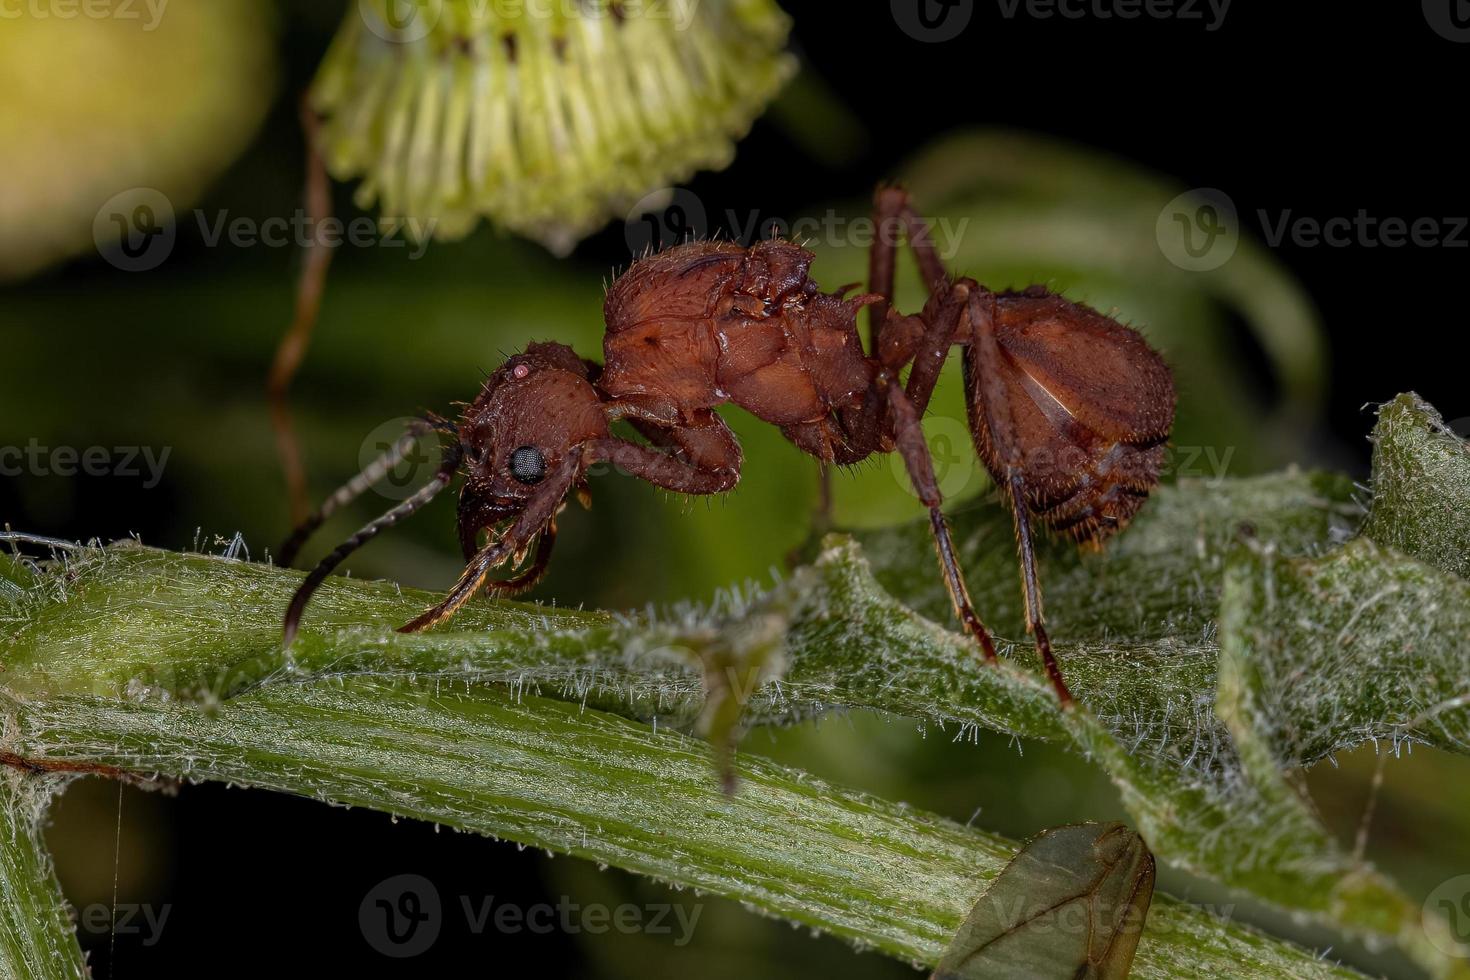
527 418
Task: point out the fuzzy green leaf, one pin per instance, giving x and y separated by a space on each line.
1421 485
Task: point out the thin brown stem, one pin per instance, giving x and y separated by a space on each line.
309 289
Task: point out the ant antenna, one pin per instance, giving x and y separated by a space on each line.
359 485
447 467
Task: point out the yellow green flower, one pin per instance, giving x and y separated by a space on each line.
547 116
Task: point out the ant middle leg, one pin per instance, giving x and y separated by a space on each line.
915 452
922 341
893 212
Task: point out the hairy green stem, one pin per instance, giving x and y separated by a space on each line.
550 774
37 939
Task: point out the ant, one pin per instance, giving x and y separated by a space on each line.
1070 410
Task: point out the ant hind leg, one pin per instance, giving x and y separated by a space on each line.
991 410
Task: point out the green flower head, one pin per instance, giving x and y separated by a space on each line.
547 116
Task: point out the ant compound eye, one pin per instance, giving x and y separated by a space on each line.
528 465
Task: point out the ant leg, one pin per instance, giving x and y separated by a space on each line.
706 459
540 511
532 576
992 410
369 531
292 348
915 452
822 517
469 544
359 485
700 459
1035 622
944 320
892 209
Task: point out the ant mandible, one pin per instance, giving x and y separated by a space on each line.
1070 410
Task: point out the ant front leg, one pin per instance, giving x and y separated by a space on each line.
537 518
700 459
915 452
472 520
527 580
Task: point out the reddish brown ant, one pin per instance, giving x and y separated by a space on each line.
1069 409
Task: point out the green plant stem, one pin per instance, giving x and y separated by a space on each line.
550 774
37 940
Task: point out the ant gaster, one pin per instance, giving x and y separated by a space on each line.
1069 409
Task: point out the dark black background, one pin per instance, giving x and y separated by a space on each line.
1322 109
